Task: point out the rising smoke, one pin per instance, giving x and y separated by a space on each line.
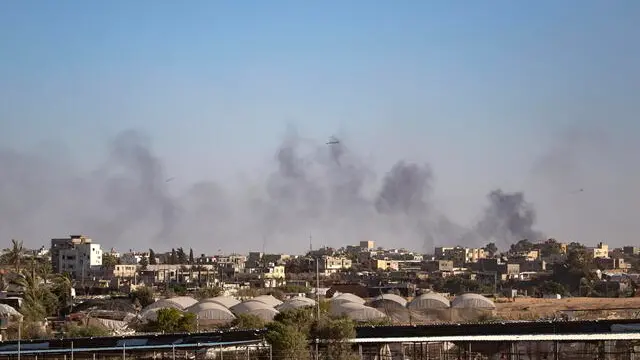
320 190
508 217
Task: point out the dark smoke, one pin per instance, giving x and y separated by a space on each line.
507 219
404 190
321 190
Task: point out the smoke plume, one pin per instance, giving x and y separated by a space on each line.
315 189
507 219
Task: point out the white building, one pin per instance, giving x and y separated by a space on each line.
81 258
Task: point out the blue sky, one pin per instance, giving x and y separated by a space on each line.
479 89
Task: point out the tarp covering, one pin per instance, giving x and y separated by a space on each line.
475 301
347 297
211 311
268 299
392 298
354 311
226 301
178 302
430 300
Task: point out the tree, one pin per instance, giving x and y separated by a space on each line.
579 258
38 300
287 342
491 248
523 245
144 295
552 287
62 285
181 256
550 247
44 271
27 330
248 322
109 261
191 259
173 258
172 320
302 319
337 332
144 262
208 292
15 254
75 331
152 257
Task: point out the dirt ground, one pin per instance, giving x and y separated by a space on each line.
578 308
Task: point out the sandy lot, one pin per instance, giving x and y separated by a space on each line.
579 308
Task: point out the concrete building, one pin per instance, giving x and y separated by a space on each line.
474 254
386 265
273 275
601 251
63 244
331 265
367 245
78 256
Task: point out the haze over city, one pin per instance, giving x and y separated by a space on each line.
206 125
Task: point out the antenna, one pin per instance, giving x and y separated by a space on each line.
264 244
310 243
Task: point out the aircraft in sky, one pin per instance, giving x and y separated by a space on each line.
333 141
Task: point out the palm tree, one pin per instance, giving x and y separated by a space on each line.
3 282
15 254
62 286
44 271
38 299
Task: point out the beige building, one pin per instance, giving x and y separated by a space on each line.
601 251
386 265
331 264
273 276
473 255
125 271
367 245
77 256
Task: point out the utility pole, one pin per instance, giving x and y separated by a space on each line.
19 336
317 301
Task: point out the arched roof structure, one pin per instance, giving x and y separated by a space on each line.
431 300
178 302
475 301
211 311
355 311
226 301
392 298
268 299
347 297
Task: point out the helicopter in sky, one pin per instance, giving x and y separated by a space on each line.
333 141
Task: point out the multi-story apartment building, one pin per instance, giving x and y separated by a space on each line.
385 265
601 251
367 245
76 255
631 250
332 264
273 275
60 244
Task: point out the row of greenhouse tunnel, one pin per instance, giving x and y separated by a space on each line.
428 307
